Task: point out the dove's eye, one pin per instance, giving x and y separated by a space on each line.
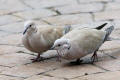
59 45
30 25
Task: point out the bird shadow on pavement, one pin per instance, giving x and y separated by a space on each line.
105 56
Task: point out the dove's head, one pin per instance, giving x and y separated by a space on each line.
29 27
61 44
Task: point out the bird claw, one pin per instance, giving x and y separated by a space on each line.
38 59
94 58
58 59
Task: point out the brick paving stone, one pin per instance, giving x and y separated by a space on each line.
113 52
14 39
112 49
12 6
4 12
110 45
113 6
40 77
7 19
3 33
4 77
71 71
116 35
88 1
15 59
13 28
117 0
35 14
2 68
69 19
101 76
111 65
106 15
23 71
18 27
46 3
117 24
9 49
33 68
73 8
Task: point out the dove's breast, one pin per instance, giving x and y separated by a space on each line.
43 39
26 43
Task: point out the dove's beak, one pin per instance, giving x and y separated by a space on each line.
25 31
52 48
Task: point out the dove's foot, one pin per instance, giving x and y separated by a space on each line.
78 61
38 59
94 57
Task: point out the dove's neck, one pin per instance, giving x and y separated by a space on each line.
32 31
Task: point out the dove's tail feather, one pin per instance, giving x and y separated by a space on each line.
101 26
66 29
108 32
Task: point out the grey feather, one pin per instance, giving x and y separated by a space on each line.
66 29
108 32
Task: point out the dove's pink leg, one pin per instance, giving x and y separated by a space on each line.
39 58
94 56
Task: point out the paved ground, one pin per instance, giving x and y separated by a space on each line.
15 63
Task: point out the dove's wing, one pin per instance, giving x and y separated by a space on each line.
50 34
87 39
90 39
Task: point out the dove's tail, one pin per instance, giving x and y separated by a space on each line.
108 32
66 29
101 26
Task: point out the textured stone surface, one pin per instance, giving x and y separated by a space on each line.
32 68
8 6
69 19
8 49
107 15
117 24
47 3
113 6
93 7
14 59
3 77
40 77
7 19
101 76
3 33
35 14
14 39
17 27
88 1
2 68
108 66
74 71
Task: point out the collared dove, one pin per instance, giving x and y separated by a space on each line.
81 42
40 39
